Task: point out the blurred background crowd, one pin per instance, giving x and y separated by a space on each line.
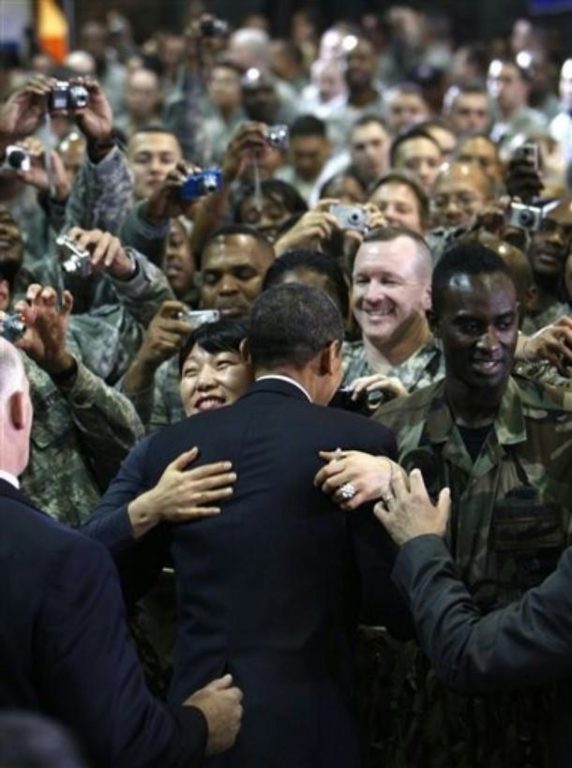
160 161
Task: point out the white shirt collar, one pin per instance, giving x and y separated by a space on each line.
10 478
280 377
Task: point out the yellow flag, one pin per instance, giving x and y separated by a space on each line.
52 29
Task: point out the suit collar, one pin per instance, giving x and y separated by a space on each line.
8 490
288 380
281 386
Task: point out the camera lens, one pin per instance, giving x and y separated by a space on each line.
16 158
526 219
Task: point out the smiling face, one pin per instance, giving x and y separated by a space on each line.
233 269
552 243
399 205
212 380
478 327
390 291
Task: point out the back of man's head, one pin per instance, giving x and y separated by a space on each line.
290 324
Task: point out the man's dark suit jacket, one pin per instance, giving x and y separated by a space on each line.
267 590
65 651
525 644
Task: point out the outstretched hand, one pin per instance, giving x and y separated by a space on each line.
408 512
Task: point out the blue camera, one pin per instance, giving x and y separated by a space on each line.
201 184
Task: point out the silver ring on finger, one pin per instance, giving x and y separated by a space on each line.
347 491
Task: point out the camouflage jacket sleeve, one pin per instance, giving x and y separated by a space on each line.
101 194
143 236
160 404
143 294
167 407
107 423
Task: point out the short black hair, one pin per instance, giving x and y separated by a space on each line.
303 260
273 189
290 324
224 335
409 135
467 257
367 119
308 125
230 230
398 177
347 174
154 128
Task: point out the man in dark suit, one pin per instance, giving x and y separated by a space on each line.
269 588
64 644
525 644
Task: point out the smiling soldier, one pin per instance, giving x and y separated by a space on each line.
502 445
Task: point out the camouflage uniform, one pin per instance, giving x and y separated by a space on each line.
160 404
533 323
80 434
510 521
109 335
421 369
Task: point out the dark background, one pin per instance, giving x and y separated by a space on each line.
470 19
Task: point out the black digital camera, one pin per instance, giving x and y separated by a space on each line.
75 262
67 96
214 28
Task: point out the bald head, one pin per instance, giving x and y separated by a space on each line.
15 411
12 374
461 190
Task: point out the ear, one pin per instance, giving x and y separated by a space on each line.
245 352
427 303
330 358
433 322
17 410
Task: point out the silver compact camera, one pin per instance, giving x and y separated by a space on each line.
75 262
199 316
277 136
350 217
17 159
68 96
528 217
12 327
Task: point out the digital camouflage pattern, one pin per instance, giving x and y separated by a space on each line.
511 512
421 369
533 323
80 435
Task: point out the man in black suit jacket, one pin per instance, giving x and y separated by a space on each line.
269 588
525 644
64 645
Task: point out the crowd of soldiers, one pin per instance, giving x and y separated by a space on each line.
201 169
